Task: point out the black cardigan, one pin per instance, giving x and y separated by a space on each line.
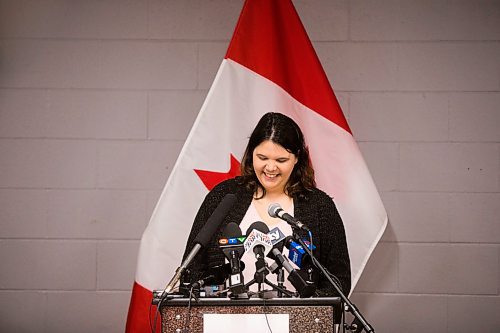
317 210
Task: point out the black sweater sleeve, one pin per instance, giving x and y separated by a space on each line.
334 254
208 256
319 212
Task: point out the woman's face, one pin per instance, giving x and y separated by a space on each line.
273 166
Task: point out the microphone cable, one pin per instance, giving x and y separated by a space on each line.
265 316
312 247
157 311
192 295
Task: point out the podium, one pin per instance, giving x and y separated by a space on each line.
300 314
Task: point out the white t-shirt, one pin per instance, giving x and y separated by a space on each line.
250 217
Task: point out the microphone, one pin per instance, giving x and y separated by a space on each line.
275 210
203 237
233 249
215 275
296 252
277 239
257 240
305 289
260 244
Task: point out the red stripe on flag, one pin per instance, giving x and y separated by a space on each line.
270 40
139 311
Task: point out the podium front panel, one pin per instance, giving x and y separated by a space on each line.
305 315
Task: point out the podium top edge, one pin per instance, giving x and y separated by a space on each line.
317 301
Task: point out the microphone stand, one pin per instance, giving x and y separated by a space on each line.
269 283
359 323
260 277
281 281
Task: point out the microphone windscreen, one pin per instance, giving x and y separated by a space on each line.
260 226
215 220
232 230
273 209
257 236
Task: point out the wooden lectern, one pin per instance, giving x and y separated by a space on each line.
305 314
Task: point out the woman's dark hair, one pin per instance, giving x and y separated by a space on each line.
283 131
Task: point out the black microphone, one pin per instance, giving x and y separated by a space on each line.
232 247
297 254
203 237
275 210
304 288
215 275
259 242
278 240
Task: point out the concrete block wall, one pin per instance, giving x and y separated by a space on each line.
97 98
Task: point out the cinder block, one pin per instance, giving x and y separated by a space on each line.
425 20
93 64
62 19
50 63
15 305
57 264
475 117
152 199
86 311
448 66
114 273
148 65
71 311
403 313
474 217
397 20
210 58
183 106
344 100
96 114
112 310
399 116
47 163
136 165
23 213
383 162
360 66
473 314
474 20
101 214
324 20
381 272
449 167
193 20
448 269
23 113
418 217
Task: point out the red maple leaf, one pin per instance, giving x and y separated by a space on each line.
212 178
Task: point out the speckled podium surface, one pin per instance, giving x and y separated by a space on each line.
306 315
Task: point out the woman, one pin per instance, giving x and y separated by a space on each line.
276 168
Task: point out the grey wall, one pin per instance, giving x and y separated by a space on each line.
97 97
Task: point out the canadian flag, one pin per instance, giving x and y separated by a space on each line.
270 66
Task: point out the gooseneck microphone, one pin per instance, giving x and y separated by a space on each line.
275 210
203 237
